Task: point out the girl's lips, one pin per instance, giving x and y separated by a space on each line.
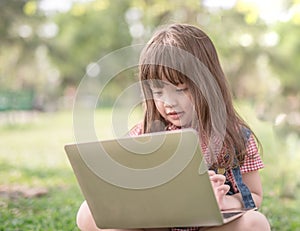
175 115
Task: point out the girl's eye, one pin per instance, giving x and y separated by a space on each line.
156 93
179 90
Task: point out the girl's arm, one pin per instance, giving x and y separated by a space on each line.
252 180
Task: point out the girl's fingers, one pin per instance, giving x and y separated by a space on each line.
211 172
223 189
220 193
218 179
219 186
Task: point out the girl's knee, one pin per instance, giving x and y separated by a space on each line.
85 219
80 218
256 221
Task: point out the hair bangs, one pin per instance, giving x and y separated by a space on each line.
159 61
157 74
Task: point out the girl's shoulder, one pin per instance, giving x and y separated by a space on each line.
246 132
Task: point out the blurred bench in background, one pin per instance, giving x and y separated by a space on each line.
16 106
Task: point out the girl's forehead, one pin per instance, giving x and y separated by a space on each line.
159 83
154 83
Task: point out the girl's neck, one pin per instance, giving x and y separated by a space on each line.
171 127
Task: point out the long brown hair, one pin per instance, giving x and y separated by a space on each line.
183 53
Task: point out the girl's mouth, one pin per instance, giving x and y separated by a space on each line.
174 115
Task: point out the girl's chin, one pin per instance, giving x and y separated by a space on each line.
182 124
178 124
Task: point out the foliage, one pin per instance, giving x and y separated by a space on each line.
50 52
86 33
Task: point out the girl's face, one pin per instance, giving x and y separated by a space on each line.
174 103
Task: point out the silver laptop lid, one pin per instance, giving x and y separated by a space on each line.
149 181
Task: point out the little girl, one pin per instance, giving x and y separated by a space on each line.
184 86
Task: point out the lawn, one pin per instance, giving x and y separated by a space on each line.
38 190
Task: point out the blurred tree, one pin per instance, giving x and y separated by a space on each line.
87 32
19 41
284 61
285 58
24 63
260 58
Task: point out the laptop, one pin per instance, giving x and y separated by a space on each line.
151 181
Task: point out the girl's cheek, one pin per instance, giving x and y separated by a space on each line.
159 106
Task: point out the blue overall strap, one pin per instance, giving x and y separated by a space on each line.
243 189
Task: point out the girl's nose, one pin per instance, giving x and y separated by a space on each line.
170 100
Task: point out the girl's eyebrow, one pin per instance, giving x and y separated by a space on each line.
163 83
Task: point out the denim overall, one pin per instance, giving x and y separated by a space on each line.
243 189
245 192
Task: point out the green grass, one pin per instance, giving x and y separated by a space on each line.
32 155
280 177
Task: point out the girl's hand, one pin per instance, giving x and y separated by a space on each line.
220 188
